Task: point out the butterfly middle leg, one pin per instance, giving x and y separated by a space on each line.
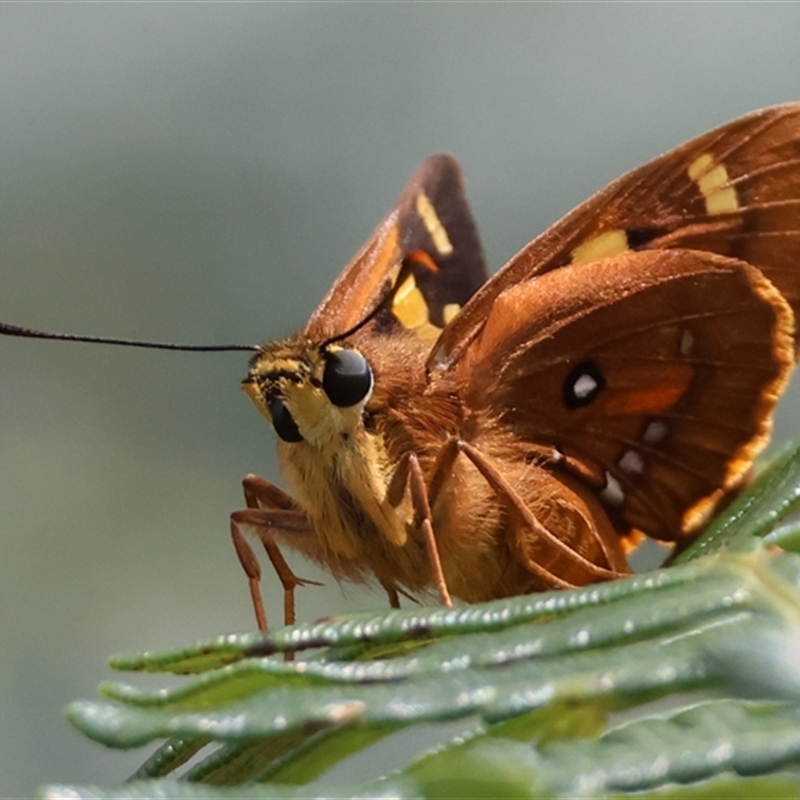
269 511
528 525
543 556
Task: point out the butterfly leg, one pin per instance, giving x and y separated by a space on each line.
409 474
392 594
268 510
527 521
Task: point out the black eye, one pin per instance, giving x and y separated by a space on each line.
347 379
282 421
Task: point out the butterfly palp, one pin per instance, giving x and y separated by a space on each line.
283 421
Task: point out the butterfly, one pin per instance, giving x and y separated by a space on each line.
450 433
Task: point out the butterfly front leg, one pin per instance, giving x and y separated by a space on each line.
408 474
269 510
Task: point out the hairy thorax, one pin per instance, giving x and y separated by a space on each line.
341 470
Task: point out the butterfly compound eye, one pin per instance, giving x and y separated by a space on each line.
347 379
283 422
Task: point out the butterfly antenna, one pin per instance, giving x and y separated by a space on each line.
382 303
30 333
385 299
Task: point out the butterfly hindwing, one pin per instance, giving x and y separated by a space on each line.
653 382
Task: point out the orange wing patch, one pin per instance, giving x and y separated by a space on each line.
653 400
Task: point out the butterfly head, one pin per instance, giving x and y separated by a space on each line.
310 392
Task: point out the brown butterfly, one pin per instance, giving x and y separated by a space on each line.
481 438
485 438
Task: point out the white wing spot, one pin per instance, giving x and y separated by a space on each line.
655 432
687 342
612 492
632 462
584 386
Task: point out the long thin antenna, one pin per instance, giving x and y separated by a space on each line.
30 333
388 292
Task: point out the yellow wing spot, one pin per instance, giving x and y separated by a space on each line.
449 311
429 332
608 243
713 182
430 219
409 304
700 166
410 308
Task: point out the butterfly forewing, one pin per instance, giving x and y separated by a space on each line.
734 191
432 217
616 378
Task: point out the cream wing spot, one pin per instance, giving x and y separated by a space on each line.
449 311
608 243
430 219
713 182
700 166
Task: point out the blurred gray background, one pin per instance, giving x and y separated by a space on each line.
200 173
